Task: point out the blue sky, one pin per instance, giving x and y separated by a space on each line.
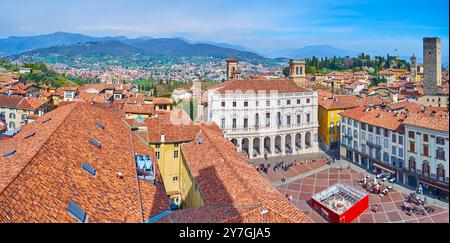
372 26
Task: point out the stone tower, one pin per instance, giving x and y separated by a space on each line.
297 70
431 65
413 67
232 68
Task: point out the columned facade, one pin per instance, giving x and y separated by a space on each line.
267 124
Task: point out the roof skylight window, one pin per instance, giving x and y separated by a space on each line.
89 169
77 212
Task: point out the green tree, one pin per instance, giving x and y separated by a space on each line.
311 70
286 71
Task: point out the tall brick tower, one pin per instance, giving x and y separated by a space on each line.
413 67
298 71
232 68
431 64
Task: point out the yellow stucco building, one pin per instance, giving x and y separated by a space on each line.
167 141
329 119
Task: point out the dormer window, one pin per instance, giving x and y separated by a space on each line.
101 125
9 153
89 169
95 143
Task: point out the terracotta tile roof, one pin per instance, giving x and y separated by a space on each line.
136 99
10 101
162 101
375 100
70 88
45 172
8 78
232 190
404 105
35 103
139 109
386 73
172 133
431 119
24 86
16 91
339 102
376 117
19 102
98 87
97 98
413 95
281 85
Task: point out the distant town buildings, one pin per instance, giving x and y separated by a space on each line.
16 111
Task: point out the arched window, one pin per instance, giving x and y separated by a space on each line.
12 116
297 71
2 114
12 125
301 70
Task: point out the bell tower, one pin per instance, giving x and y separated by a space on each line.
431 65
297 70
232 68
413 70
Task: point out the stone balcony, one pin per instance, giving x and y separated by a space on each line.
269 129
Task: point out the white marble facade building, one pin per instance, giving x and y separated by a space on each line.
264 116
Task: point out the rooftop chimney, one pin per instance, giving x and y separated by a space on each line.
163 138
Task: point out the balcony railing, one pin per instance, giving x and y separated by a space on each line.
348 136
269 128
373 145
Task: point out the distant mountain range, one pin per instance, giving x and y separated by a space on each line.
72 46
75 45
16 45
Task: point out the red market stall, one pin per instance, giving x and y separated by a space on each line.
341 203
